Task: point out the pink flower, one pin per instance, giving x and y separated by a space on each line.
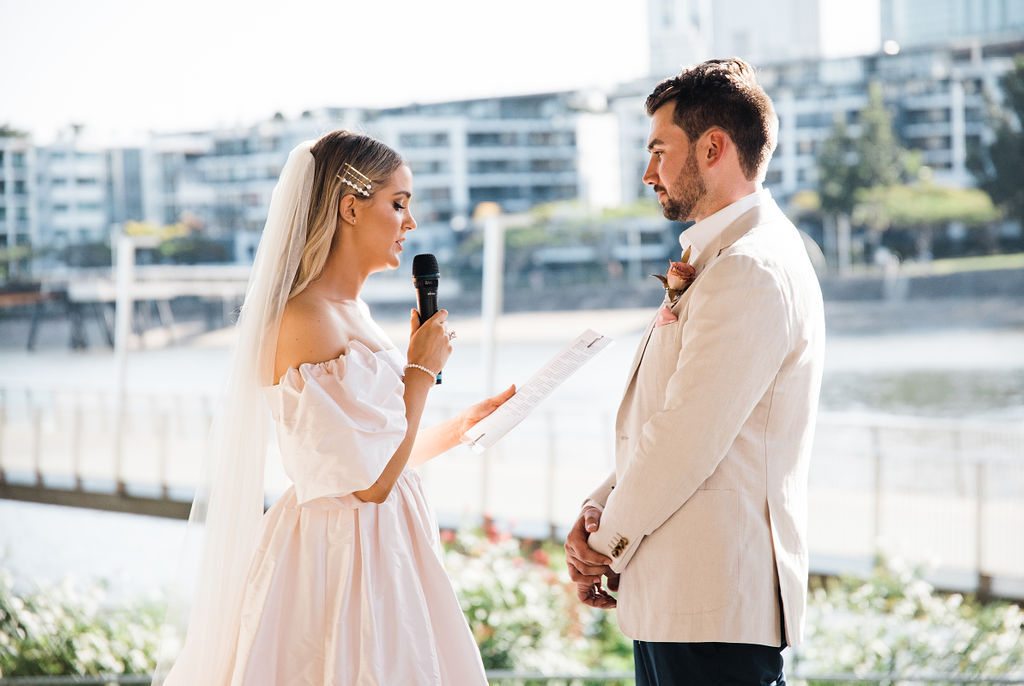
679 275
665 316
676 280
540 556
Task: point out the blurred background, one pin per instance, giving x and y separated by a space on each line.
139 146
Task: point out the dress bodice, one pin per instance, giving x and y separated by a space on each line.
339 421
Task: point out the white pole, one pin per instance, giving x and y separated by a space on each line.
122 331
494 265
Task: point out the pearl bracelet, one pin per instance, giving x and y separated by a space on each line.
433 375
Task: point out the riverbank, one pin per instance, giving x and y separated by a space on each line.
561 314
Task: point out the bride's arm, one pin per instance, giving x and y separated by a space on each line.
417 385
429 347
446 435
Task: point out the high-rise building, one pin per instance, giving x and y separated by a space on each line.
18 225
912 23
764 32
683 32
679 32
71 191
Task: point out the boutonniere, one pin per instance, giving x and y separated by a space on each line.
678 277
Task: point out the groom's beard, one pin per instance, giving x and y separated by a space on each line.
691 188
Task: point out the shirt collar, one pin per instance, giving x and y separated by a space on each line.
700 235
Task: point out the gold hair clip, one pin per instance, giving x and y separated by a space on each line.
351 176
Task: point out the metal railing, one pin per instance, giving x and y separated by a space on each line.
918 489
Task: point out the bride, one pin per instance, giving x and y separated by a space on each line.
341 581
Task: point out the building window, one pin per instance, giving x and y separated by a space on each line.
543 138
428 166
423 140
492 139
555 165
493 166
85 181
19 188
812 120
18 160
436 194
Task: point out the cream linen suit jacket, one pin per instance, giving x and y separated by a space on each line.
705 515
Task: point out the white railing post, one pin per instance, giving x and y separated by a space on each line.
76 440
122 332
876 447
984 582
552 445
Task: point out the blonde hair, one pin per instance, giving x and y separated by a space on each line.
331 153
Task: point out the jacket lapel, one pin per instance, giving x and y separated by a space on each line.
729 235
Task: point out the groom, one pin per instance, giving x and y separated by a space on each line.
702 527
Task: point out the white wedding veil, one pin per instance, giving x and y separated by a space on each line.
229 500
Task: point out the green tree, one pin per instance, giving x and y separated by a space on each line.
923 208
8 131
999 166
836 172
848 164
881 158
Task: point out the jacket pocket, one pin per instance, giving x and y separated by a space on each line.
701 548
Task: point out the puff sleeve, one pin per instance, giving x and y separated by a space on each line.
339 422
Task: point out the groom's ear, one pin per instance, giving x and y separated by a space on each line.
347 209
714 144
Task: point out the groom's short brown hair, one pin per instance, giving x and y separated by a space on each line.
723 93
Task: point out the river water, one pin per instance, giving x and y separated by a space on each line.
974 374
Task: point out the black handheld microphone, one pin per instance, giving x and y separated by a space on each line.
425 276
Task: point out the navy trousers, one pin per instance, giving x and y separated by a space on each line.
707 664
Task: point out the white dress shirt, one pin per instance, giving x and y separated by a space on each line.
702 233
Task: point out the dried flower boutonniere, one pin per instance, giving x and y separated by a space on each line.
676 280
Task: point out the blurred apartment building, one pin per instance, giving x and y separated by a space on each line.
18 221
918 23
523 150
517 151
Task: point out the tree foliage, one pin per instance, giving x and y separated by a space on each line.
999 166
8 131
875 157
923 204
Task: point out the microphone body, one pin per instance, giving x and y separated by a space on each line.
425 277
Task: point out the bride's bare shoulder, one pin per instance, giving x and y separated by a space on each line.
309 332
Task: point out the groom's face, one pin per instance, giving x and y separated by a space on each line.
673 169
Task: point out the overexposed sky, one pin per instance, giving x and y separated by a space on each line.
123 67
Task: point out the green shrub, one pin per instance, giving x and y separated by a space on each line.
56 630
523 611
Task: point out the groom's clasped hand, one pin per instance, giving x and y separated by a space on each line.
587 567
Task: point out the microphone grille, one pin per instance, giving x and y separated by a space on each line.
424 265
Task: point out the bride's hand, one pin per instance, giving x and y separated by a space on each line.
429 344
473 414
